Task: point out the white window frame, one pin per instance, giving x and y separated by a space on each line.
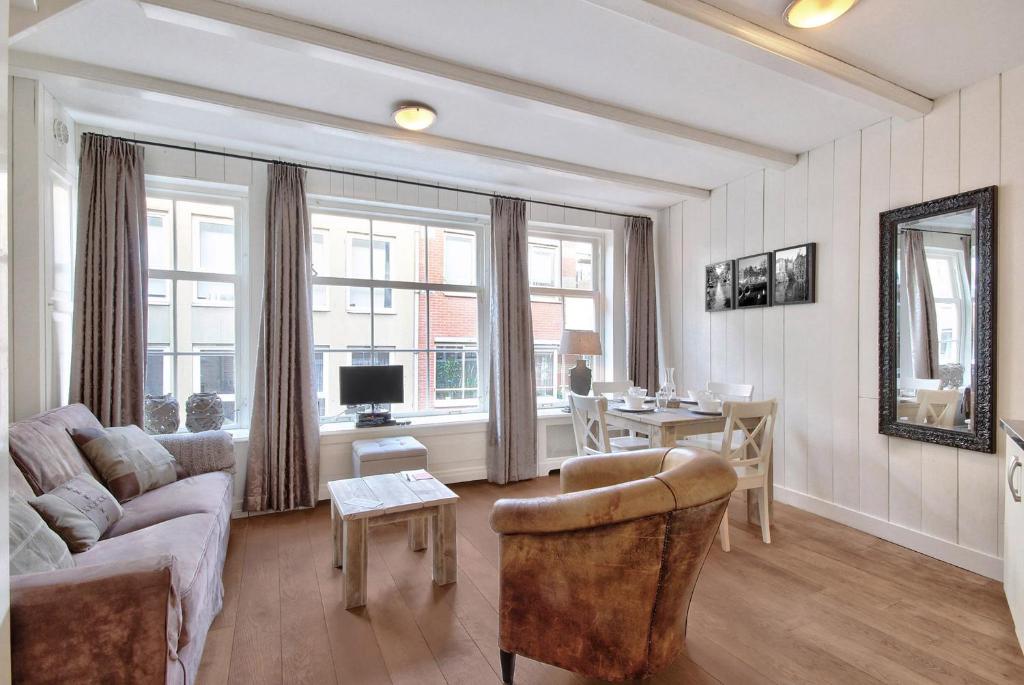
165 298
210 193
197 221
957 269
547 232
435 221
350 239
457 345
452 234
205 349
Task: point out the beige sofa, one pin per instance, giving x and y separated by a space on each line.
137 606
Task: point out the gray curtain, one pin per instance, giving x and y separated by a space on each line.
641 304
108 351
284 435
512 419
924 336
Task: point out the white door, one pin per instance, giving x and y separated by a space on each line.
1013 549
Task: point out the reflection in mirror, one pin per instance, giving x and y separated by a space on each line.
935 313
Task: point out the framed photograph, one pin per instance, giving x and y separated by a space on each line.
754 281
794 275
720 286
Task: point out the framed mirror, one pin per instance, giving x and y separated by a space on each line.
937 328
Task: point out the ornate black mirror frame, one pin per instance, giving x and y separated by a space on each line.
983 439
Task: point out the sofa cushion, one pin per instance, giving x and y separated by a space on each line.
45 452
198 543
208 493
129 461
79 511
34 547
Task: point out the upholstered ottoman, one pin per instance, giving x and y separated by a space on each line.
387 455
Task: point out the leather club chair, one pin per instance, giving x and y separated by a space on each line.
598 580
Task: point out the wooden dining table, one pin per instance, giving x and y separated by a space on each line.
665 426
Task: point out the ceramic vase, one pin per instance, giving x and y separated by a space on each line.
204 411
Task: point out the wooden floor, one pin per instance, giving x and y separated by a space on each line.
822 604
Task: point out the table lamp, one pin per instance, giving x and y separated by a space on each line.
581 343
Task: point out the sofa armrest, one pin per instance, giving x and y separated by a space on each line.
580 510
602 470
201 452
116 622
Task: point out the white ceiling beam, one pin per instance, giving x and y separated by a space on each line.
703 23
36 66
335 46
27 16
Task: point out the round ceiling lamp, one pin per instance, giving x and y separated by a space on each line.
414 116
809 14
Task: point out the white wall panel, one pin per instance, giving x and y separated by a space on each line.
820 190
774 363
696 322
719 251
844 318
797 326
753 319
735 246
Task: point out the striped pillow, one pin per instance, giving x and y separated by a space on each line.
128 460
34 547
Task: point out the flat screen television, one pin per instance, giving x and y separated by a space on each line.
371 385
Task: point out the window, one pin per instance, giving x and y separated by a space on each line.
215 253
402 291
360 267
193 283
563 295
459 257
946 271
455 369
543 265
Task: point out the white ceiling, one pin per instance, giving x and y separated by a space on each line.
570 45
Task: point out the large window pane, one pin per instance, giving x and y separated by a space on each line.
543 262
452 256
577 265
336 327
205 321
580 314
402 326
453 319
547 320
160 237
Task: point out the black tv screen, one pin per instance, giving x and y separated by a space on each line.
371 385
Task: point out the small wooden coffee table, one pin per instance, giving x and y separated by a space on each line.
354 510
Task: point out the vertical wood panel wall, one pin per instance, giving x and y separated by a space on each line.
821 360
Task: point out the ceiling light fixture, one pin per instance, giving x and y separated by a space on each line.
414 116
810 14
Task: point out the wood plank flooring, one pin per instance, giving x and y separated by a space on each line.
822 604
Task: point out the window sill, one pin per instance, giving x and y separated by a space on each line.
419 424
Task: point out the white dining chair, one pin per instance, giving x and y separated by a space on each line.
915 384
737 392
752 458
937 407
611 387
590 426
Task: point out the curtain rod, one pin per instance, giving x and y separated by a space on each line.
932 230
311 167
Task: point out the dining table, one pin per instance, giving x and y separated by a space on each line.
665 426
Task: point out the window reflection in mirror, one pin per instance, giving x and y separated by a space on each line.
935 310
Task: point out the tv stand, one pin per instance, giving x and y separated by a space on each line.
373 419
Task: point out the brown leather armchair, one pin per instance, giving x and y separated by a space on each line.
598 580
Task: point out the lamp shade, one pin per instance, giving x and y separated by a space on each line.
580 342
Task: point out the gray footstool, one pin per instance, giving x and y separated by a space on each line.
387 455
